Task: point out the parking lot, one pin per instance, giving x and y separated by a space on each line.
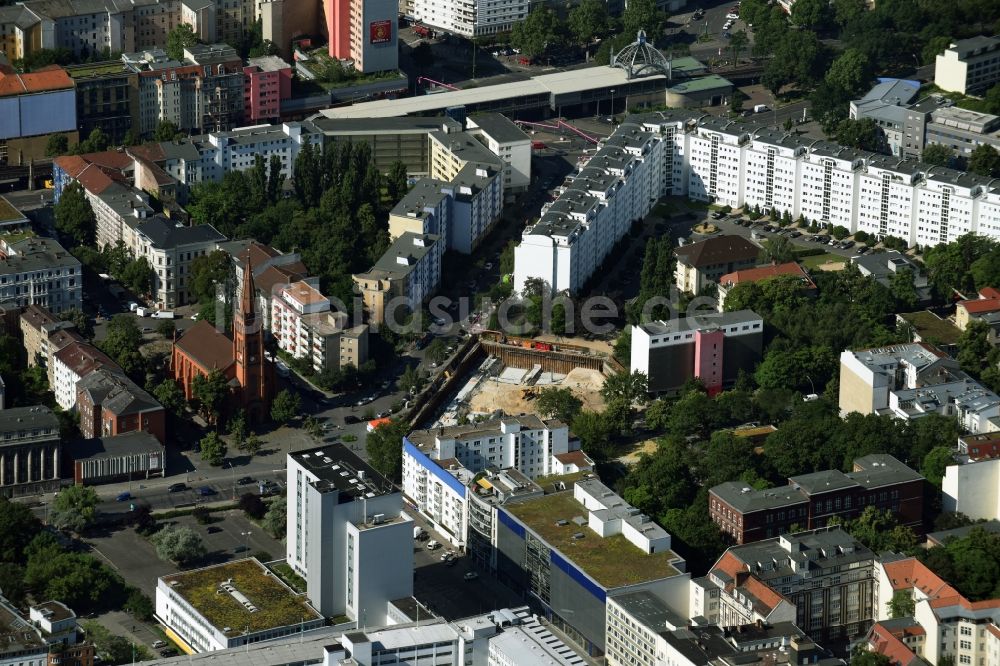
764 229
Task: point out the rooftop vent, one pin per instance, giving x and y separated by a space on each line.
562 522
578 536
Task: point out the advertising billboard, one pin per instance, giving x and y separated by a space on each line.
380 32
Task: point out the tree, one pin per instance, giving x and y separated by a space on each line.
238 429
628 387
934 464
138 276
253 444
213 449
437 351
74 508
385 448
643 15
80 321
812 14
74 216
903 290
863 134
412 380
559 403
170 395
209 391
594 431
985 161
132 137
851 72
937 154
397 181
122 341
180 545
166 328
95 142
861 656
275 519
985 271
139 605
737 100
796 368
208 272
275 178
56 145
738 43
253 506
167 130
286 407
179 39
18 526
777 250
540 31
588 21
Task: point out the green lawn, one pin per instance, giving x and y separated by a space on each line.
818 260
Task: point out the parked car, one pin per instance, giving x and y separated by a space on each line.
471 575
245 481
124 497
159 644
847 244
795 234
731 16
350 419
176 487
168 652
205 491
433 545
213 529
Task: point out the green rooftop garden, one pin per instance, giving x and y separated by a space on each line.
612 561
95 69
277 605
932 328
8 213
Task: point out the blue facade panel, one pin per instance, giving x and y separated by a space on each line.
578 576
433 467
511 524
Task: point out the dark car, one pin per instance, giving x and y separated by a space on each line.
245 480
176 487
124 497
349 419
168 652
205 491
795 234
240 549
213 529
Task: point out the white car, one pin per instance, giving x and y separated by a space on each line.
732 17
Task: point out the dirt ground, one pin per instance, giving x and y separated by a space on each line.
832 266
597 345
491 395
648 446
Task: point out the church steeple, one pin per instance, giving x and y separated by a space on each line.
253 371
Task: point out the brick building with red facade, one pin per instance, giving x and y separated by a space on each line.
109 403
809 501
241 359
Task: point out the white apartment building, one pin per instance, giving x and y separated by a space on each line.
912 380
967 632
742 165
209 157
170 249
969 66
201 607
440 464
288 311
576 232
973 488
510 143
470 18
347 534
39 271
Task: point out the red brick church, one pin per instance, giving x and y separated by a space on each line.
241 359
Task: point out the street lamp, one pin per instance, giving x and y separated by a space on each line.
612 103
233 470
246 540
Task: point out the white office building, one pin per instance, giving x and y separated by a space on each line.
973 488
909 381
741 164
229 605
969 66
470 18
347 534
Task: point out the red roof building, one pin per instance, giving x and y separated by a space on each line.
988 303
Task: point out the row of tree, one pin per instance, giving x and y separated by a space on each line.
544 32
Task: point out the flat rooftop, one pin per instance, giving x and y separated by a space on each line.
338 468
931 328
273 604
611 561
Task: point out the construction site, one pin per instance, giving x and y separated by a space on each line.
499 373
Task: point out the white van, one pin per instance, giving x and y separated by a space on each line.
433 545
